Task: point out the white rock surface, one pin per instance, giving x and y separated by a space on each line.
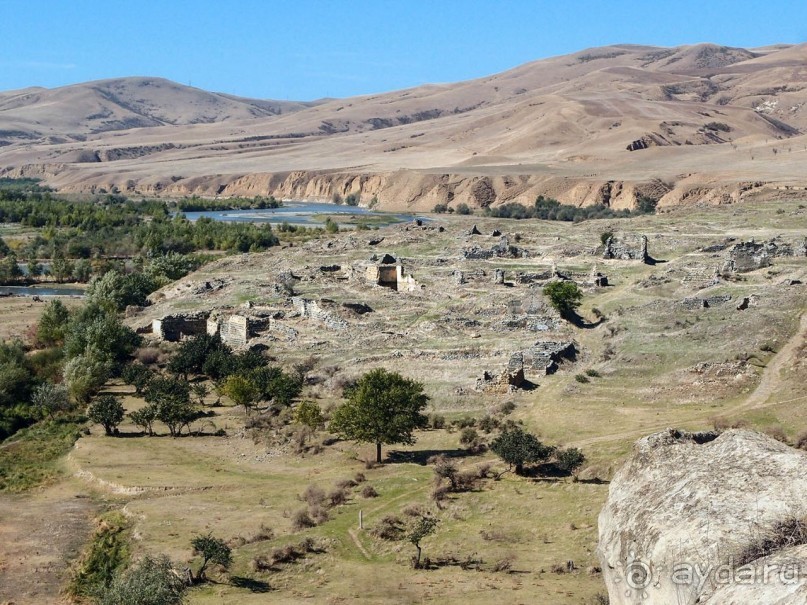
684 506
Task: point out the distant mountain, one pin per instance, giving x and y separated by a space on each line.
603 125
120 104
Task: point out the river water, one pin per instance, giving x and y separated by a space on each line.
41 290
301 213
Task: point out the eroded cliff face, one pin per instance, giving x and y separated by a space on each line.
706 518
412 189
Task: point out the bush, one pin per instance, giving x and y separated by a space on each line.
570 460
468 436
437 421
151 581
337 496
787 533
313 495
593 373
464 209
801 441
368 491
564 296
302 520
581 378
440 208
389 528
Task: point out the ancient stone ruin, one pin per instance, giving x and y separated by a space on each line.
174 328
311 309
749 256
389 273
510 379
627 247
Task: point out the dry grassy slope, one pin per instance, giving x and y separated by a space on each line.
560 124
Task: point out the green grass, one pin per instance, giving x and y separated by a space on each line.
31 457
107 553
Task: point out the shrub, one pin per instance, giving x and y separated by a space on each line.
468 436
151 581
464 209
564 296
801 441
359 478
301 520
787 533
440 208
313 495
570 460
593 373
437 421
777 432
212 550
582 378
504 564
488 424
337 496
506 408
389 528
368 491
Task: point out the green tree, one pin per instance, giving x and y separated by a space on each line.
61 269
569 460
241 390
171 396
115 291
331 226
106 410
9 269
193 353
309 414
381 408
517 448
145 417
96 328
84 374
212 550
564 296
137 375
423 527
276 386
150 581
82 270
51 398
53 323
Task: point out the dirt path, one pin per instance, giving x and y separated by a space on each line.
358 544
41 533
758 399
771 376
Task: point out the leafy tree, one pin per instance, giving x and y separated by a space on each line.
517 448
423 527
137 375
463 208
51 398
564 296
115 291
85 373
61 269
53 323
151 581
381 408
569 460
106 410
96 328
212 550
82 270
276 386
241 390
171 396
16 378
9 269
145 417
309 414
193 354
200 390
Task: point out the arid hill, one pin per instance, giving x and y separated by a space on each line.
701 123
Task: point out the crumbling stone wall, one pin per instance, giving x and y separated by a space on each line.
510 379
545 355
174 328
627 247
311 309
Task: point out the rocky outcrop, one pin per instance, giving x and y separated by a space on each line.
693 518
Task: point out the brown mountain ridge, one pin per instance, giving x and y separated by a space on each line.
702 123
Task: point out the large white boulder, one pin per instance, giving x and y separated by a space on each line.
684 512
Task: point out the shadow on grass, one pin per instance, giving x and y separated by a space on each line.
580 322
422 456
251 585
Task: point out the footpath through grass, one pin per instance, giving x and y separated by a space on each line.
31 456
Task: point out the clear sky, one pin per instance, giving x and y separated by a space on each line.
307 49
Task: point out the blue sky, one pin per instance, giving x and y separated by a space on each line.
307 49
